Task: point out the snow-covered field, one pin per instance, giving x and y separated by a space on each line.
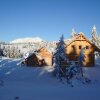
28 83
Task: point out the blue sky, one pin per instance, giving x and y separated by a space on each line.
47 19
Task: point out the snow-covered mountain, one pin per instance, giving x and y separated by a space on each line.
27 40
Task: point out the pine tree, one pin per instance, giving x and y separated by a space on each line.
94 35
59 56
7 51
98 41
80 61
95 39
80 76
73 34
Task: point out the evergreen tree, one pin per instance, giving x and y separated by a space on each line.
73 34
98 41
80 76
95 39
76 70
59 56
80 61
7 51
94 35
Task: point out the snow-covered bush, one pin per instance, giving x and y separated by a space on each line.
75 71
80 61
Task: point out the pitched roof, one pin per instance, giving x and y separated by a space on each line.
77 36
45 47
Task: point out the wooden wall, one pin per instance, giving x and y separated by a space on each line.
74 48
32 61
46 55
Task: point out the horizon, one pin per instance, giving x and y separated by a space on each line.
47 19
47 40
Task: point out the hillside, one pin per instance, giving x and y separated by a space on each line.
29 83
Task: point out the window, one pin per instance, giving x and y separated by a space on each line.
80 47
73 46
87 47
73 49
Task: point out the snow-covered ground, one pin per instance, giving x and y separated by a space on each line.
28 83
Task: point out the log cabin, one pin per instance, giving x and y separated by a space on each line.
31 60
74 46
41 57
46 55
34 60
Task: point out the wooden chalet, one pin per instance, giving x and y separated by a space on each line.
74 46
45 55
32 60
41 57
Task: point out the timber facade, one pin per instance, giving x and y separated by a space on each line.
74 46
45 55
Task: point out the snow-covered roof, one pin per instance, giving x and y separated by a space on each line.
28 54
75 37
46 47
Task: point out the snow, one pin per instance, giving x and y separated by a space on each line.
29 83
27 40
94 27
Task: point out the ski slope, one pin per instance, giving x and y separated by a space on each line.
27 83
